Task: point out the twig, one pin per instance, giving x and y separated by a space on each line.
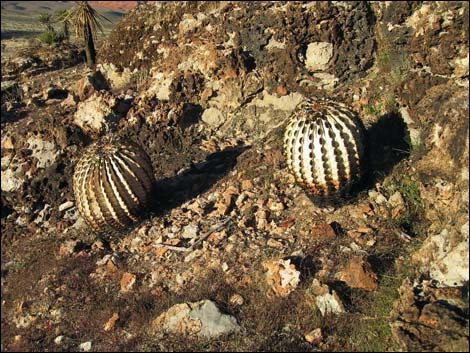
202 238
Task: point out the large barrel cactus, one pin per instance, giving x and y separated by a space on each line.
112 184
324 147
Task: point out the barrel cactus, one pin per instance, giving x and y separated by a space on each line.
324 147
112 183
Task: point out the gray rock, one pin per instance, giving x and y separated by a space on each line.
190 231
318 56
214 323
201 318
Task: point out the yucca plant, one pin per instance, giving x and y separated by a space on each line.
62 16
86 22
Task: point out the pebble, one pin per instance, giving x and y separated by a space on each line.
190 231
127 282
85 346
314 336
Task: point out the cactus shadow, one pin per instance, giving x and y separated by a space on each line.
387 144
171 192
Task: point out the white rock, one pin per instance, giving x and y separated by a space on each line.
202 318
274 44
10 182
190 231
95 114
65 206
116 79
318 56
286 103
85 346
327 81
449 265
452 269
213 117
45 151
58 339
327 303
160 86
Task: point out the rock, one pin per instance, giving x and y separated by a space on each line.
318 56
127 282
314 337
7 142
58 340
9 88
201 318
461 66
10 181
446 263
236 300
45 152
70 101
90 84
431 317
109 325
453 268
323 231
116 79
282 276
213 117
160 86
327 303
85 346
96 114
357 274
68 247
190 231
65 206
397 204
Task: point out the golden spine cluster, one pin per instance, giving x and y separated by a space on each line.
324 147
112 184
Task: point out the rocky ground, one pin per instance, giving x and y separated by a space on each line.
233 255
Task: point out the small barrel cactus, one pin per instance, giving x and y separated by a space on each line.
112 184
324 147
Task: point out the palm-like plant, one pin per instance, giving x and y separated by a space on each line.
86 21
46 20
62 16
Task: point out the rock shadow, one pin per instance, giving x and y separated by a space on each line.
171 192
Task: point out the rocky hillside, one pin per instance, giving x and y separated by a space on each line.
233 254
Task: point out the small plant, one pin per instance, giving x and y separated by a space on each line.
62 16
51 37
140 76
410 218
46 20
375 110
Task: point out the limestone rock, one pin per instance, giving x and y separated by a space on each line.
326 301
431 317
201 318
318 56
282 276
95 115
357 274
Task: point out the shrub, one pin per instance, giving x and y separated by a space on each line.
51 37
